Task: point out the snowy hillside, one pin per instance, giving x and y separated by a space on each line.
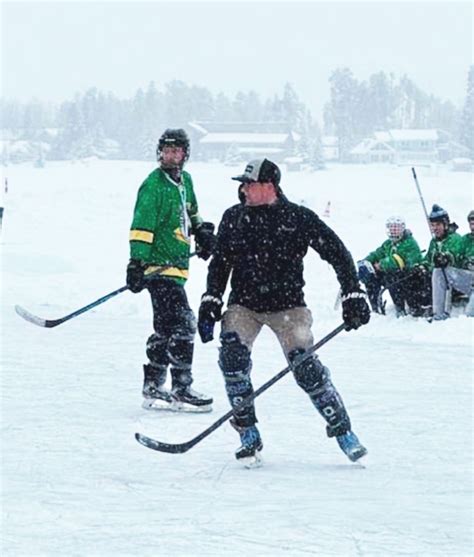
76 483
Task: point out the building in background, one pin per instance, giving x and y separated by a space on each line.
241 141
408 146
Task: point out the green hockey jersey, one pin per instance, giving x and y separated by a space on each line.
165 214
395 256
451 244
467 260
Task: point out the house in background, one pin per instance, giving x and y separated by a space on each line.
408 146
241 141
330 147
372 150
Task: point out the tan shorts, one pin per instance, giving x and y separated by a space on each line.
291 326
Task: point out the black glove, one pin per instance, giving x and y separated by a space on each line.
420 271
442 260
210 311
205 240
135 275
355 310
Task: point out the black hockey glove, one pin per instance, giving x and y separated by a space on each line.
420 271
135 275
205 240
210 311
442 260
355 310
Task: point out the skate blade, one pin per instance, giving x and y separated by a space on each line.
157 404
251 462
186 407
174 406
357 455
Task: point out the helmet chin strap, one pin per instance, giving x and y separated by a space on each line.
173 170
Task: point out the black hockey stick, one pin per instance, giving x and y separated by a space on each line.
179 448
448 285
49 323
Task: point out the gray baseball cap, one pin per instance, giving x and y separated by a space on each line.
260 170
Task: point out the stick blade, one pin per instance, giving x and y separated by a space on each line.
162 447
22 312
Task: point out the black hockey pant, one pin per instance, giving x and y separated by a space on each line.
404 287
172 343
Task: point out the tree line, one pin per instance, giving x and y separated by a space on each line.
100 124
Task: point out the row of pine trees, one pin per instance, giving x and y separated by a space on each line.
100 124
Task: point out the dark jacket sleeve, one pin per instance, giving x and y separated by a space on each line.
221 263
331 248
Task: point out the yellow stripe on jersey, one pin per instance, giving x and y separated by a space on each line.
168 271
178 234
141 236
399 261
175 272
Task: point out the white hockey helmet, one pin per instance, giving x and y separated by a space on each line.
395 227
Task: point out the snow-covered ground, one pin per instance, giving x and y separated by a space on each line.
76 483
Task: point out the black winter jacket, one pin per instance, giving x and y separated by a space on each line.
264 248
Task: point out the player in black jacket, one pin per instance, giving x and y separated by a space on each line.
262 241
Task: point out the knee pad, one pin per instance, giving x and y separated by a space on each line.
181 342
365 271
157 350
310 374
234 357
180 351
235 363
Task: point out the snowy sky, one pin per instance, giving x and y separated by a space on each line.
52 50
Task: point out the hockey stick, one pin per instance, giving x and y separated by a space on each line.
184 447
448 285
49 323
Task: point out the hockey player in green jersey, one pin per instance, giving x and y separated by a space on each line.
445 261
166 214
468 260
392 266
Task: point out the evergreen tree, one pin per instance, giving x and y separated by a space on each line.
73 131
202 104
467 118
293 109
344 99
178 105
223 111
380 101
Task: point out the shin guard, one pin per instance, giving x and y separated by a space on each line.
315 380
235 363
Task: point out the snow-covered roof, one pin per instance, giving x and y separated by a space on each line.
244 138
368 145
414 135
258 150
382 136
197 127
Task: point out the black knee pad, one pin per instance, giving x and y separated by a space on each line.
157 350
310 374
234 357
235 363
180 351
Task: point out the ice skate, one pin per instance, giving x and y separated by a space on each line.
249 452
351 446
155 395
156 398
186 399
